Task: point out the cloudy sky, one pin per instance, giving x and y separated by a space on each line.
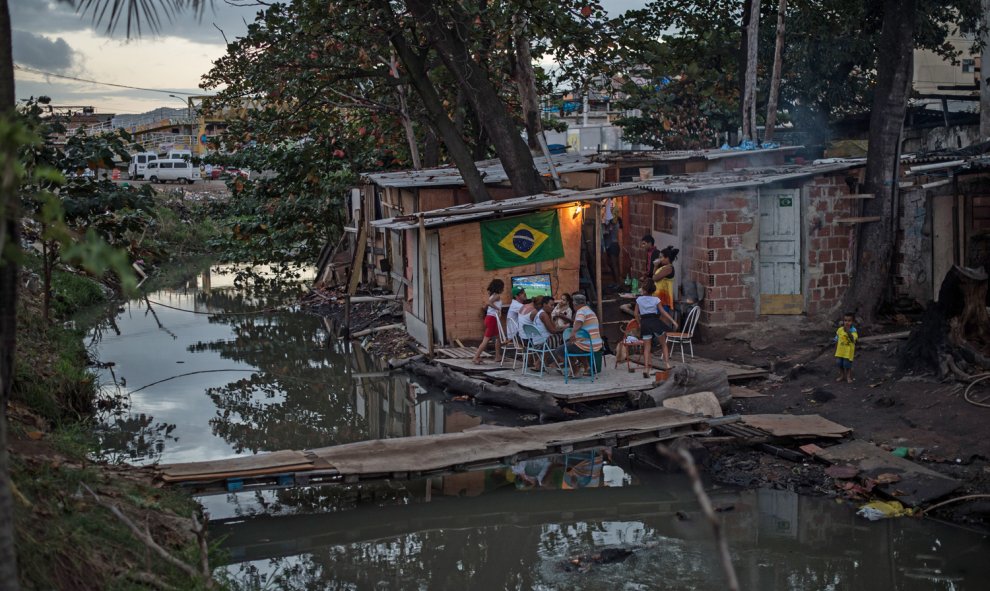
50 37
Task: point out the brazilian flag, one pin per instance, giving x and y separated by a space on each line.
510 242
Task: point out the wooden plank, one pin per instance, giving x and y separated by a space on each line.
858 220
890 336
781 304
917 484
431 452
360 250
278 459
795 425
744 392
858 196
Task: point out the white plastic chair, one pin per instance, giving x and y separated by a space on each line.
512 342
679 338
535 346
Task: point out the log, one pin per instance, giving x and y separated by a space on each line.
684 380
509 395
367 331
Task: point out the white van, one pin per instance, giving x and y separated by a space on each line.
172 169
139 162
173 154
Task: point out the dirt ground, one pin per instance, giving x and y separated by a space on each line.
885 405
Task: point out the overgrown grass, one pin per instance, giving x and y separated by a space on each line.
66 540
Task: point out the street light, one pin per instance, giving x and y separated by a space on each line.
188 103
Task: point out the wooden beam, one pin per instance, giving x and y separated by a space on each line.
598 257
425 284
360 250
858 196
859 220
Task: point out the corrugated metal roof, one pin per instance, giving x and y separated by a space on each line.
743 177
710 154
491 171
686 183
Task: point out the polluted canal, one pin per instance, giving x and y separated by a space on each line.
205 376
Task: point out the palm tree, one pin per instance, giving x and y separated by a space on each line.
109 13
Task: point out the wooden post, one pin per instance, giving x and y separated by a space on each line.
425 283
598 258
347 316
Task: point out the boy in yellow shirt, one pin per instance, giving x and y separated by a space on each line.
845 348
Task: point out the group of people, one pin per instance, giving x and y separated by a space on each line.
545 315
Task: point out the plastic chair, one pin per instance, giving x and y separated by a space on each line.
510 343
679 338
534 347
590 354
630 330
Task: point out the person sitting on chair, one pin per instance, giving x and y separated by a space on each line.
584 318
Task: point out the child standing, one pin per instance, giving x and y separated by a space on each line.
845 347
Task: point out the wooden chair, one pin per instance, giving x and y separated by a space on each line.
679 338
631 329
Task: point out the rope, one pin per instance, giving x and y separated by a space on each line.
191 373
977 379
262 311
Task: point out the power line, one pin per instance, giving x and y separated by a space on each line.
54 75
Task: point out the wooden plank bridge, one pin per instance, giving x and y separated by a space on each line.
424 456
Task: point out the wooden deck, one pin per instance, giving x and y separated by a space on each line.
611 383
431 455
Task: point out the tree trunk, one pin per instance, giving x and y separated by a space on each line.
516 158
9 238
871 278
749 83
778 59
526 83
456 148
984 74
407 125
510 395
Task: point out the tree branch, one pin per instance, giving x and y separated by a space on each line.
686 462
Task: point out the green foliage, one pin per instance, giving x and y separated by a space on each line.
684 62
50 375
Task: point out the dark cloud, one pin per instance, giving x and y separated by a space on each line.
41 52
58 16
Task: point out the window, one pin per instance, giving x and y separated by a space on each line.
969 66
665 218
165 165
182 165
142 159
152 165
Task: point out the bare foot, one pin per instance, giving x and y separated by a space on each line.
849 380
839 379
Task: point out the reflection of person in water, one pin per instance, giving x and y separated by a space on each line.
531 471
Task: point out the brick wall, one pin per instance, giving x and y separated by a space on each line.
718 245
830 244
720 242
465 277
720 255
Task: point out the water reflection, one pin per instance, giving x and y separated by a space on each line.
639 537
204 376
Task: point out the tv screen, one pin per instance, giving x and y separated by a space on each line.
535 285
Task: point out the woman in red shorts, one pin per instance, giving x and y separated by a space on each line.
493 310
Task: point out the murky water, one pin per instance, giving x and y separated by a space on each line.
226 381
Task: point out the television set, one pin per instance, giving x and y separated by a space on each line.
535 285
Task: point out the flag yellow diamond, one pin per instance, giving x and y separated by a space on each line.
523 240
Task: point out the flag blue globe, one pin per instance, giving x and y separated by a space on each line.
523 240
